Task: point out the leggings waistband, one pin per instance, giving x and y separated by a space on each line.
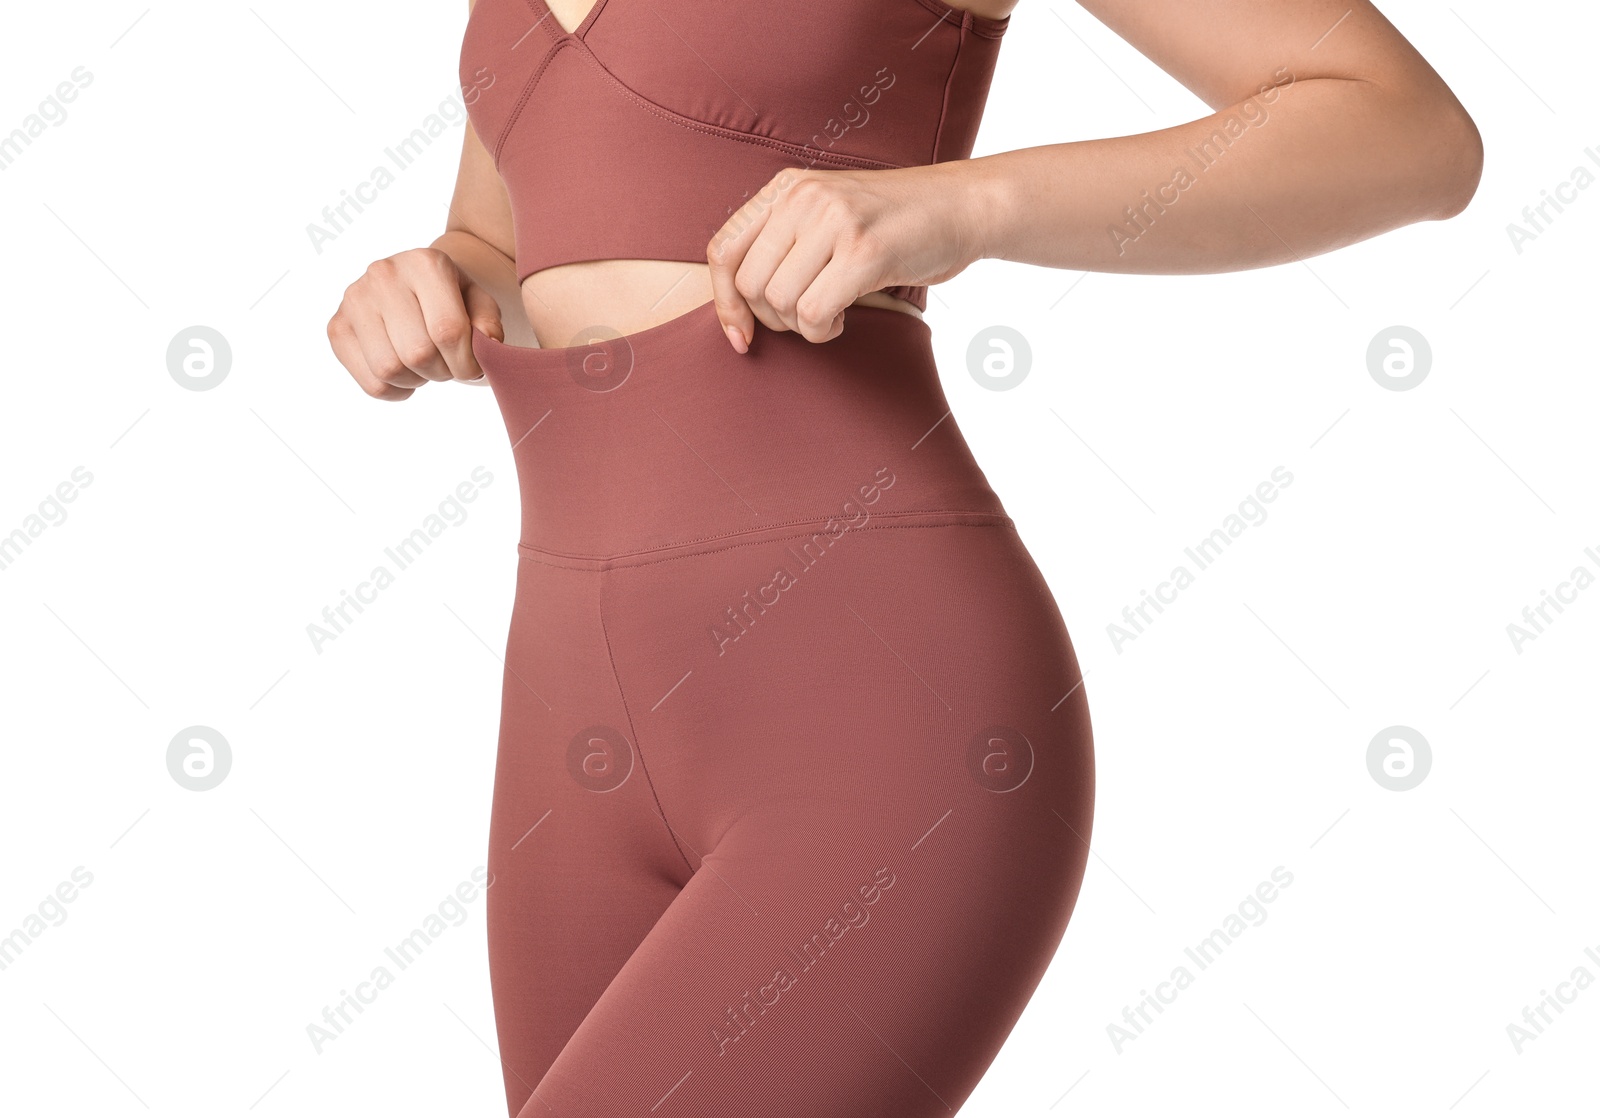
667 439
813 532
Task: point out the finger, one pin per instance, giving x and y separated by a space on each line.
444 317
348 350
761 263
821 309
794 275
483 311
408 333
378 351
725 254
484 314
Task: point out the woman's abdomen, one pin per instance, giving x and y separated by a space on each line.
565 304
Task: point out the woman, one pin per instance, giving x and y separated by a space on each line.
795 779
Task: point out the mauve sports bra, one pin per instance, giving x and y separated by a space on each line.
638 134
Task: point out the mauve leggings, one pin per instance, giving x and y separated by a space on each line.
795 776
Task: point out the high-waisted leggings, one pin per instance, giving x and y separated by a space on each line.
794 785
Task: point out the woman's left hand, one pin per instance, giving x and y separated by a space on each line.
812 241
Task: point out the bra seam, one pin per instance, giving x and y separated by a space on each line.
589 20
545 12
949 80
799 151
560 37
805 154
527 92
982 26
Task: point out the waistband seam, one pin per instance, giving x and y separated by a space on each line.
921 518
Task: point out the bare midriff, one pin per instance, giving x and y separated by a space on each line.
626 296
565 302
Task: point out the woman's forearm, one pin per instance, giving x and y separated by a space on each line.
1299 168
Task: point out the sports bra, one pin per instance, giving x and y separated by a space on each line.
638 134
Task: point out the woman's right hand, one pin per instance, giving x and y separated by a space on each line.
409 320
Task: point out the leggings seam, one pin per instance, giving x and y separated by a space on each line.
589 562
627 713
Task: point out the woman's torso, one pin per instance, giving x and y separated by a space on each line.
627 131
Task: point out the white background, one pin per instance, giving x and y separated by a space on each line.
1232 735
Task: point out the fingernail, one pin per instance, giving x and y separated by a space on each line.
736 339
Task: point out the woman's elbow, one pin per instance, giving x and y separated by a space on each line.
1456 165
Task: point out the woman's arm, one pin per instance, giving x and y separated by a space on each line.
1330 128
409 318
478 234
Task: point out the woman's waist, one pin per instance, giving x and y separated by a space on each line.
666 437
563 302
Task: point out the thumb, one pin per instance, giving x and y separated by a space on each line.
482 310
